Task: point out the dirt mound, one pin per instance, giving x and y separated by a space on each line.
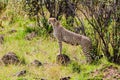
108 73
62 59
111 72
65 78
12 31
21 73
10 58
36 63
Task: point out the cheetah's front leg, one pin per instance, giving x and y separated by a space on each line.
60 46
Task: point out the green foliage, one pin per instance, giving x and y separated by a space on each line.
47 27
64 23
29 29
46 49
75 67
20 34
101 20
21 78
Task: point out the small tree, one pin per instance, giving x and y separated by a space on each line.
104 17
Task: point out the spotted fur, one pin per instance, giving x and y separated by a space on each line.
64 35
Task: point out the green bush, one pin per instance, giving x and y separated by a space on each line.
75 67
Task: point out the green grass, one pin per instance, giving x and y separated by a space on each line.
45 50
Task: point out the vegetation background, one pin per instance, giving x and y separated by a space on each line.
23 24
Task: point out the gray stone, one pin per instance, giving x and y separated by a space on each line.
65 78
21 73
62 59
36 63
12 31
10 58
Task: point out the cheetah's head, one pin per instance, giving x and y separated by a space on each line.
53 22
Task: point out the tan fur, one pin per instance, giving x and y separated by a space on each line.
69 37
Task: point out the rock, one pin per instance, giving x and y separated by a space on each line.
10 58
21 73
110 72
30 36
36 63
65 78
62 59
12 31
1 39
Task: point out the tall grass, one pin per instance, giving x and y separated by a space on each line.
44 49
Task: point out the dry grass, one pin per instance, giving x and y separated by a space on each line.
44 50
